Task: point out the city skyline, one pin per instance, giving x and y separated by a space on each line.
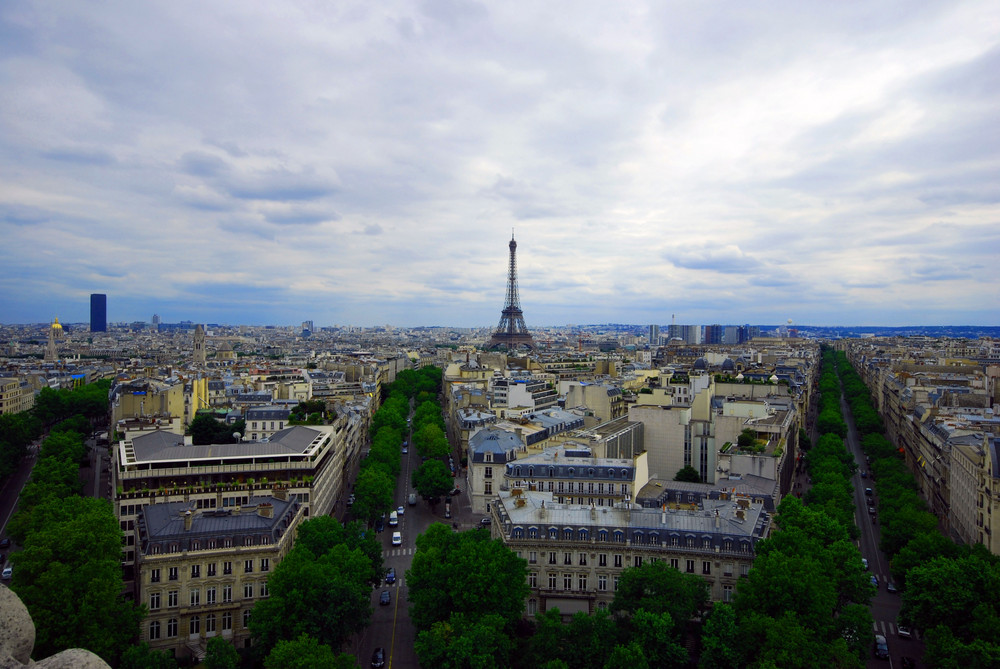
365 164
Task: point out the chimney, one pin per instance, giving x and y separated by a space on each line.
188 519
718 523
265 510
593 512
280 492
541 511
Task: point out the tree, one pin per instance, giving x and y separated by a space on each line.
320 534
141 656
307 653
431 442
327 598
206 429
220 654
687 473
373 492
655 633
627 657
69 576
720 644
465 641
747 438
659 588
432 480
464 573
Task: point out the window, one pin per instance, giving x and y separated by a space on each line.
211 569
727 593
171 628
248 566
690 566
227 567
744 569
172 574
194 625
706 543
532 557
227 594
560 487
172 597
532 579
195 597
674 563
263 589
487 472
154 630
727 568
614 582
154 575
568 534
602 582
248 591
246 619
552 581
210 622
581 582
210 595
487 488
637 561
154 601
248 541
227 621
552 557
532 607
567 581
706 567
618 561
567 558
195 571
265 564
583 559
602 560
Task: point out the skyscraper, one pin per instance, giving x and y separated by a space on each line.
654 335
98 312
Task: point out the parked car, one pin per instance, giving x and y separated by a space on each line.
379 525
881 647
486 522
455 491
412 499
890 586
350 499
875 580
864 474
5 542
8 573
390 576
903 631
397 539
869 492
405 450
378 658
864 563
384 598
399 510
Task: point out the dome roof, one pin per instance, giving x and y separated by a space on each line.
728 364
701 363
56 325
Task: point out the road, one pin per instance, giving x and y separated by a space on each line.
390 625
9 493
885 605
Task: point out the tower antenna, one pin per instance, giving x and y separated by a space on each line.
511 332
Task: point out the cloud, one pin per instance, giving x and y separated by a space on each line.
727 258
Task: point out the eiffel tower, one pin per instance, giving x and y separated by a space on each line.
511 332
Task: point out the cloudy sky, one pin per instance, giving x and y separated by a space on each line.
365 162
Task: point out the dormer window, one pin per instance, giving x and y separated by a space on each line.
488 456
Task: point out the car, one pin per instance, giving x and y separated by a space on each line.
864 474
406 443
379 525
5 542
871 510
8 573
390 576
486 522
454 491
384 598
874 580
412 499
378 658
890 586
447 512
869 492
397 539
864 563
350 499
903 631
405 450
399 510
881 647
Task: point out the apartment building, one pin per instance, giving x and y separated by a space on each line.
513 396
200 571
263 422
576 553
159 466
602 401
16 395
489 450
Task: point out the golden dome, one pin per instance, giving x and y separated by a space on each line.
55 324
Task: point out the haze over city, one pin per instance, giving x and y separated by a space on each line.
366 163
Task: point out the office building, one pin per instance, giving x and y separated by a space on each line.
98 312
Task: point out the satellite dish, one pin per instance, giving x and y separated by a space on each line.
236 436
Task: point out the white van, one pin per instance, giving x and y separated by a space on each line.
393 519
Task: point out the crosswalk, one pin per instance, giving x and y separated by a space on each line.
885 628
397 552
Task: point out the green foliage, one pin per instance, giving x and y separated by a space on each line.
206 429
465 573
430 441
17 431
220 654
687 473
306 653
747 438
325 597
308 412
465 641
141 656
320 534
70 578
432 480
373 492
720 642
659 588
